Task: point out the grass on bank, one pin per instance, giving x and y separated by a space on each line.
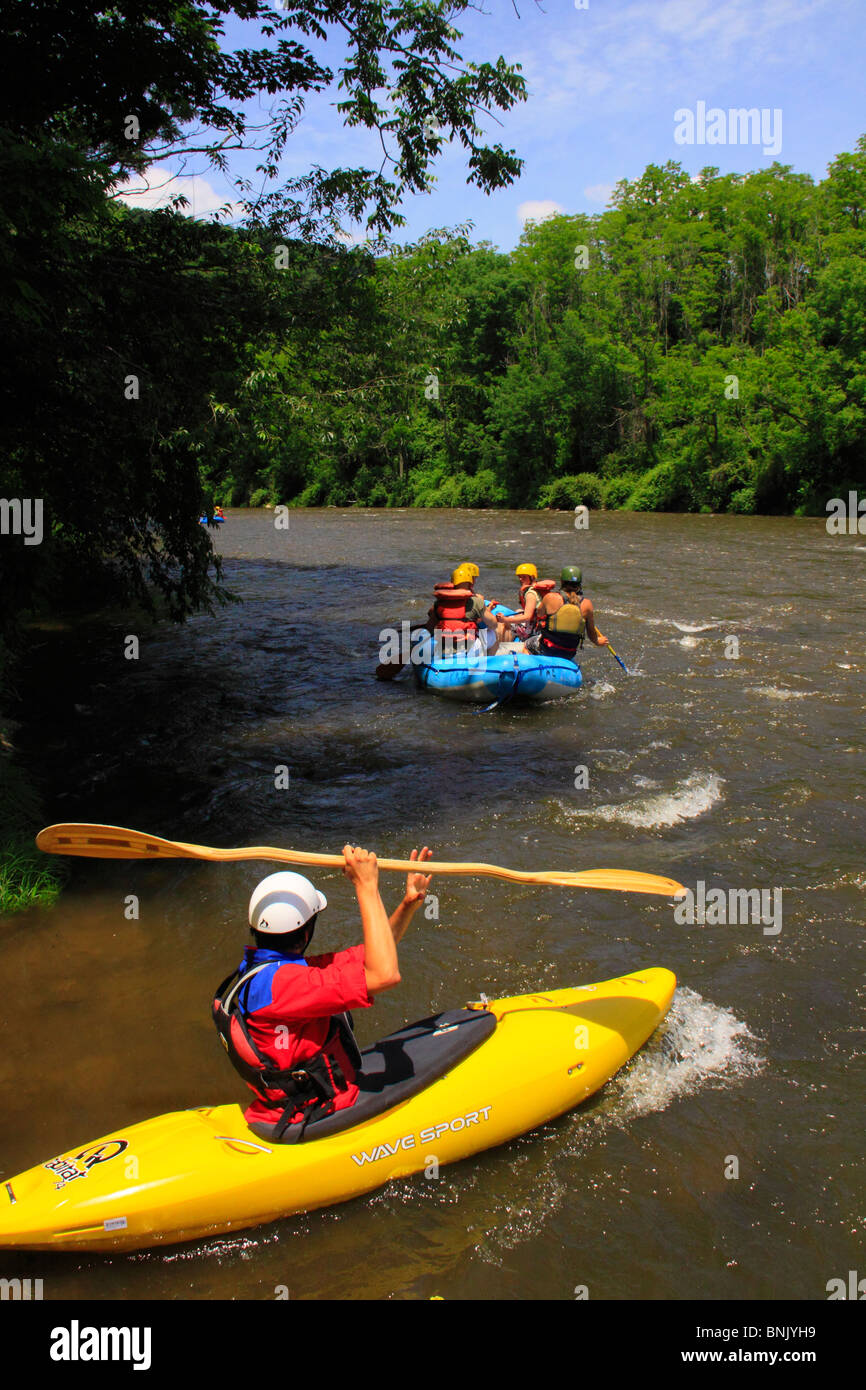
28 878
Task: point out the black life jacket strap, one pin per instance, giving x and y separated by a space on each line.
309 1086
314 1086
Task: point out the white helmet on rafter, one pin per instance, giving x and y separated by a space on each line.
284 902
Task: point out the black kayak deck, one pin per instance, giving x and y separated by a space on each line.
399 1066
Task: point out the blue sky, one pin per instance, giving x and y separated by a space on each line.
604 83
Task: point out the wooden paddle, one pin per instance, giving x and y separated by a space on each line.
115 842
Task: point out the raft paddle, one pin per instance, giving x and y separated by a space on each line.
616 658
115 842
390 670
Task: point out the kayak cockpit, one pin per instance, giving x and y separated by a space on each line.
400 1066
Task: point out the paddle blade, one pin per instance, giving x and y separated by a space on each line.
107 842
617 658
622 881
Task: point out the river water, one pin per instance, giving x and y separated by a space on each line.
736 763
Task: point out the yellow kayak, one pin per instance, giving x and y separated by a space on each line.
439 1090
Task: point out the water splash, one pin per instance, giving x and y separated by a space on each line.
690 798
775 692
216 1248
598 689
699 1044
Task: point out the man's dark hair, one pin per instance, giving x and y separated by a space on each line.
293 943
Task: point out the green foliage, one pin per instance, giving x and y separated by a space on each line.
108 313
28 878
618 490
744 501
659 490
564 494
484 490
698 346
706 352
168 357
399 74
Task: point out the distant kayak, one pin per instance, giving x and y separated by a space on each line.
212 521
449 1087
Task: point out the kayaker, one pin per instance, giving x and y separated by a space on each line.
564 617
461 613
282 1017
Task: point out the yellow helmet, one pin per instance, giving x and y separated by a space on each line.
527 569
465 574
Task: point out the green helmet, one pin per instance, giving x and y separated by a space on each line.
571 575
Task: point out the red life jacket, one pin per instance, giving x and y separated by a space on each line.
450 607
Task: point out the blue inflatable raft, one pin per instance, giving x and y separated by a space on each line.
474 675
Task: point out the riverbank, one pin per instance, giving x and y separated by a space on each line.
40 737
27 878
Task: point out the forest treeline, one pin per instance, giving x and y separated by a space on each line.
699 346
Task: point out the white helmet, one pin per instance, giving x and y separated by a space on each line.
284 902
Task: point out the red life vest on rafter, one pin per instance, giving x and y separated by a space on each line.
450 607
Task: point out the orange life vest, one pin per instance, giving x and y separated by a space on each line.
543 587
450 607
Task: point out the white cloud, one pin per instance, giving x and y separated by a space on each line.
599 192
538 210
622 59
159 186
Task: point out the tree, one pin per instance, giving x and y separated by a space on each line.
136 333
169 91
